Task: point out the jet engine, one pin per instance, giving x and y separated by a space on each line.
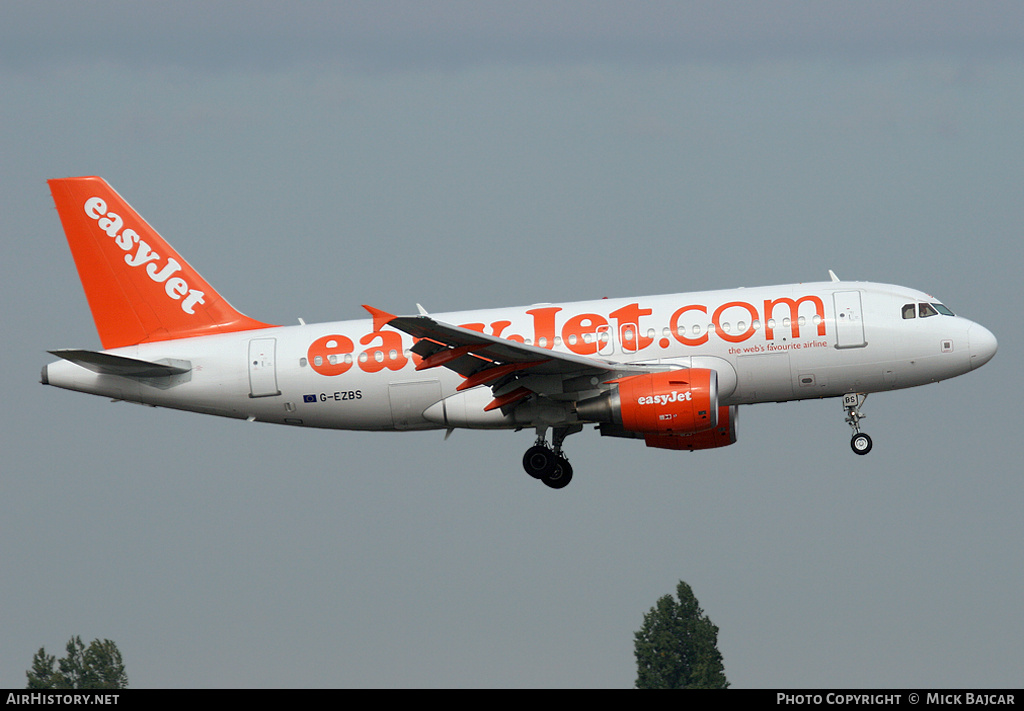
676 402
722 435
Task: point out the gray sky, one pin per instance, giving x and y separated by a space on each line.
308 159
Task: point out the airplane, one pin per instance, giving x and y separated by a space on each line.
670 370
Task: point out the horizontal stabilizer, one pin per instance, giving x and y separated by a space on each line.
109 364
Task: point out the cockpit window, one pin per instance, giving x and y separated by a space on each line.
924 310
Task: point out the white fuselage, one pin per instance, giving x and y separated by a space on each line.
766 344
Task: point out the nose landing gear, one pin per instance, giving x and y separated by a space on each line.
860 443
547 463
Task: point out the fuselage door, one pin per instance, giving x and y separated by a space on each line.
849 320
629 334
262 371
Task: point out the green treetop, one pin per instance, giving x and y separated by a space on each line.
677 646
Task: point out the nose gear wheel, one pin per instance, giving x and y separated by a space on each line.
852 402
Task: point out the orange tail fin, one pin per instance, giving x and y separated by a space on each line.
139 289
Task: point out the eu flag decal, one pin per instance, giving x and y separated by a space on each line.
309 398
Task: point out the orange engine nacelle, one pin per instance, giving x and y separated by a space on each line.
722 435
677 402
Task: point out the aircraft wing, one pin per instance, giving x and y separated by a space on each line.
477 348
513 370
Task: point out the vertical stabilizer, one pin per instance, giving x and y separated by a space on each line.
139 289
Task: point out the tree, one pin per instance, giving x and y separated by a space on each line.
677 647
41 675
98 666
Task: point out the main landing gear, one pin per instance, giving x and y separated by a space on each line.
547 463
852 402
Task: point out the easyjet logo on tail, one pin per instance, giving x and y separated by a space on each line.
139 253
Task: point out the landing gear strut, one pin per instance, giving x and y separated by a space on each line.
852 402
547 463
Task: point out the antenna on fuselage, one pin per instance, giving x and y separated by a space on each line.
833 275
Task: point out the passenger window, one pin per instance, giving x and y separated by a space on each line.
926 310
908 311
